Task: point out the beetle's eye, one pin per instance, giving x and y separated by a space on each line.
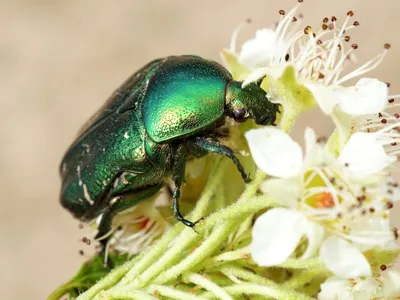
239 115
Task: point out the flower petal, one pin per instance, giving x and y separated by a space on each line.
286 191
265 46
275 152
276 234
364 155
371 232
254 76
391 284
315 234
368 96
344 259
324 96
336 288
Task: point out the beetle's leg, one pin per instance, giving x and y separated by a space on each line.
178 177
118 204
213 146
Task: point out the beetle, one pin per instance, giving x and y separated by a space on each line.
169 112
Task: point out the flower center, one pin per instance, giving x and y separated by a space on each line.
324 200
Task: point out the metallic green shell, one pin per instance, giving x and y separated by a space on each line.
186 95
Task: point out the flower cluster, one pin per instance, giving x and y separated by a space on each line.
314 222
336 197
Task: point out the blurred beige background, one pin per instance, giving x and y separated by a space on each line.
59 60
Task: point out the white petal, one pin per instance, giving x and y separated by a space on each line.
276 234
310 138
364 155
391 284
315 234
366 289
275 152
344 259
372 232
343 125
286 191
336 288
315 153
258 51
254 76
324 96
368 96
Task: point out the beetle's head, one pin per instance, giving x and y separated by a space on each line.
249 102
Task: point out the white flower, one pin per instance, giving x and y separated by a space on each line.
342 203
137 228
318 58
385 286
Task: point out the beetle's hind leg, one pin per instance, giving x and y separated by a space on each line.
210 146
116 205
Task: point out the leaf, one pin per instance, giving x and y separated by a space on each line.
90 272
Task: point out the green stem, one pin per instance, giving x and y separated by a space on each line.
312 263
304 277
274 290
209 285
206 249
172 293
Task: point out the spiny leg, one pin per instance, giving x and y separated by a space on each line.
178 177
118 204
209 145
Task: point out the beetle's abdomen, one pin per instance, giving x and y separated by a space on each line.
91 166
184 96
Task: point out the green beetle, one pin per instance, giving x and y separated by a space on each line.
170 111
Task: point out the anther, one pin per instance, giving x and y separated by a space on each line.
300 1
319 42
347 38
339 47
389 205
372 210
387 46
396 233
282 12
393 144
380 115
248 20
307 29
350 13
391 100
294 19
321 76
287 56
81 252
331 26
325 20
356 23
324 26
383 121
388 84
354 46
333 19
396 115
383 267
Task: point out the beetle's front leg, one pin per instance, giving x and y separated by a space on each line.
178 177
211 146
